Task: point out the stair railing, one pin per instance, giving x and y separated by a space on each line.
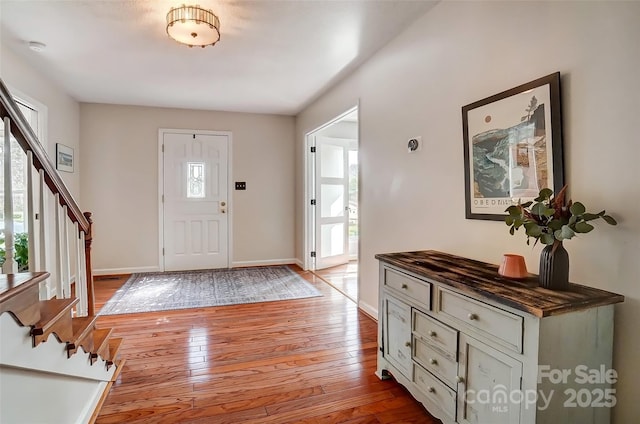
49 185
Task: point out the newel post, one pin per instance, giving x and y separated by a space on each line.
89 271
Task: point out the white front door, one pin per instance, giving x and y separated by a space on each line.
195 207
332 201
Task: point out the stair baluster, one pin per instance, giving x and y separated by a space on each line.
65 274
30 221
81 291
42 233
10 265
57 269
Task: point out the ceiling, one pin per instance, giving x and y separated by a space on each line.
274 56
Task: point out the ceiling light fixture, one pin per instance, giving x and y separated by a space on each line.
193 26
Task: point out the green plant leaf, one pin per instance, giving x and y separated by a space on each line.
555 224
590 216
527 204
577 208
541 209
583 227
547 239
609 220
512 231
509 220
545 193
564 233
533 229
514 210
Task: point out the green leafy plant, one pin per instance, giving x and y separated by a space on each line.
548 219
21 252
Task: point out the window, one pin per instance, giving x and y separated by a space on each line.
19 174
195 180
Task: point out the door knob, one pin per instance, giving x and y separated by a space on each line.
223 204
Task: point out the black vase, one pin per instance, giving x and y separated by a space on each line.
554 267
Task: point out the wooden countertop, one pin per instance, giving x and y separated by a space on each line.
482 279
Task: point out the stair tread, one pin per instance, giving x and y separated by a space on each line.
13 284
101 338
82 328
114 347
50 310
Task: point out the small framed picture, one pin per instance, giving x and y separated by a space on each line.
64 158
512 147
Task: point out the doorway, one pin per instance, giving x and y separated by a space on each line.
332 199
194 199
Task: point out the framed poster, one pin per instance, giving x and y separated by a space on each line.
512 147
64 158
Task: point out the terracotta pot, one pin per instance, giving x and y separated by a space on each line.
513 266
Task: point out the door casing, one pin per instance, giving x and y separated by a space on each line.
309 190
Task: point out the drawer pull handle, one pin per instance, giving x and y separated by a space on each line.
431 389
433 361
404 286
432 333
459 379
473 317
407 344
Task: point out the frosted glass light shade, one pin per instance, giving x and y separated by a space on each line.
193 26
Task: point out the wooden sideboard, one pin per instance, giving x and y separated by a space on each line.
475 347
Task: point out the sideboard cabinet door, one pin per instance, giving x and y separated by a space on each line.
397 347
489 381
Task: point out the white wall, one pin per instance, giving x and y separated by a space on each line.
460 52
120 182
63 120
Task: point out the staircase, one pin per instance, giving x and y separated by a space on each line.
56 365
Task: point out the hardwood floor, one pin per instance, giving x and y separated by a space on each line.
296 361
342 277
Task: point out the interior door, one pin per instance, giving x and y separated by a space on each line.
332 197
195 187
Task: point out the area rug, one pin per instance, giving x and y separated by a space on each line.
162 291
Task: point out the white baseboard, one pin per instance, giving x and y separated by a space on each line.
368 309
132 270
300 263
240 264
236 264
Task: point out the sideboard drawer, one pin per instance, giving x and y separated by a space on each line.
436 334
443 367
435 390
409 286
495 323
